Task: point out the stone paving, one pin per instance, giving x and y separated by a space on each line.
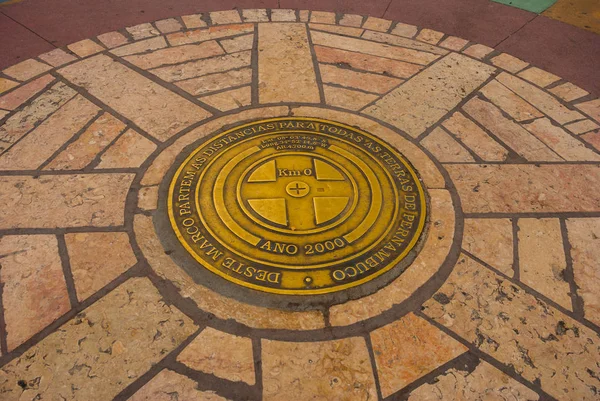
501 302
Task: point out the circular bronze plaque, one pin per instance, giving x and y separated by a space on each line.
297 206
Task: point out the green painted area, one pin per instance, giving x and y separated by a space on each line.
535 6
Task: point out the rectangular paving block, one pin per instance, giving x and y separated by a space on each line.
34 292
63 200
542 262
285 65
527 188
374 49
429 95
175 55
199 68
584 238
155 109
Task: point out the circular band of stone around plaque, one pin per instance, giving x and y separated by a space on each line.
416 284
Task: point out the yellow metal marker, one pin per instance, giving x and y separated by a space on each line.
297 206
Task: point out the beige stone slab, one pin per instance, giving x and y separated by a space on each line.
372 48
41 143
430 36
63 200
584 238
283 15
211 33
484 382
155 173
158 111
478 51
563 143
168 25
539 77
142 31
84 149
215 82
22 94
509 132
377 24
175 55
102 350
540 99
591 108
237 44
225 17
569 92
454 43
425 98
427 170
403 42
322 17
475 138
6 84
527 188
199 68
542 263
26 69
193 21
581 127
357 80
347 98
85 48
57 57
435 251
333 370
285 64
408 349
491 240
406 30
210 301
352 20
366 62
255 15
445 148
593 138
224 355
130 150
91 273
40 108
140 46
34 292
229 100
509 63
148 198
540 343
171 386
112 39
340 30
509 102
3 113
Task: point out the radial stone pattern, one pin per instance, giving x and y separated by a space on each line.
295 205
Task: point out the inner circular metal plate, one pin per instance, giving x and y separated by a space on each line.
297 206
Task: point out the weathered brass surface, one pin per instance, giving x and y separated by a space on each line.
296 206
